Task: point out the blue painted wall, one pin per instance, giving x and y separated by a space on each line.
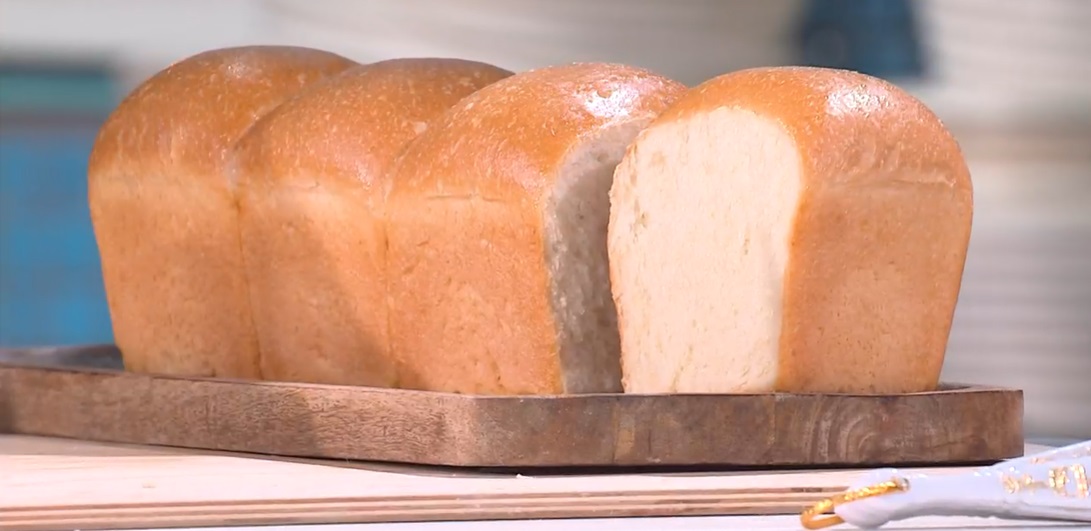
51 289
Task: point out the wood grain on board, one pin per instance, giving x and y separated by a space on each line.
65 484
957 425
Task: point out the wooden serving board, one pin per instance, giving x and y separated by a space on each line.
53 483
960 424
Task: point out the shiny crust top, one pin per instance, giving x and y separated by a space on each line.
349 128
840 119
187 116
514 134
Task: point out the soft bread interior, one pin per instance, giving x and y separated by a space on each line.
576 219
702 213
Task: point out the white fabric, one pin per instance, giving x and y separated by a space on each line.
1001 490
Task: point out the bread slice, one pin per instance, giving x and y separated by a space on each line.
497 233
312 185
163 209
789 229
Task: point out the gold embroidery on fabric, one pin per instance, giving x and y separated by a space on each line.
1058 482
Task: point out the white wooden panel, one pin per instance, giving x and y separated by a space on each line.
1024 314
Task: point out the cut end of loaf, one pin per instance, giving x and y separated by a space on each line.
497 226
699 235
576 220
789 229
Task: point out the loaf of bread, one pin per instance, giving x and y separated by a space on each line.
313 177
497 233
287 214
789 229
163 208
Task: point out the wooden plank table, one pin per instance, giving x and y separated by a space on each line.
50 483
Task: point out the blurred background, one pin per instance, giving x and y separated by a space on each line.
1012 79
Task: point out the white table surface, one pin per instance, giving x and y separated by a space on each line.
711 523
692 523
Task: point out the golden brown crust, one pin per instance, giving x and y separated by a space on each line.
348 128
312 180
164 214
848 125
881 231
538 115
469 296
184 119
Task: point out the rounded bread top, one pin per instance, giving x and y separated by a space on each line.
849 126
348 129
517 131
184 119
